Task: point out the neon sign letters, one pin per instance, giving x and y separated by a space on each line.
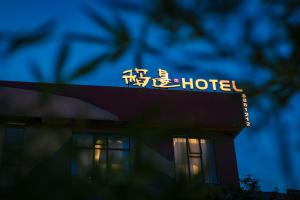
138 77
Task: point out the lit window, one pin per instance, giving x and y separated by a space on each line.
95 155
194 158
12 150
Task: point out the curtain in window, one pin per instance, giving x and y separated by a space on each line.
208 157
181 159
194 158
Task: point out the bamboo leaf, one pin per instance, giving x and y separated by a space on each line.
36 72
61 61
87 38
99 20
88 67
27 39
122 40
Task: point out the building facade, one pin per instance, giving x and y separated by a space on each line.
75 130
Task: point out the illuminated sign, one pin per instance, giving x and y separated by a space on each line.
138 77
246 113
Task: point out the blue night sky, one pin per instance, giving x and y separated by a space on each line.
257 152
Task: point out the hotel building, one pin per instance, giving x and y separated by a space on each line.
68 130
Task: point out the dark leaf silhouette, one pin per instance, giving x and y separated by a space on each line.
118 40
61 61
35 37
99 20
121 40
116 54
88 67
87 38
150 49
138 58
220 7
36 72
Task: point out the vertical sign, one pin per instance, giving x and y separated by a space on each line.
246 113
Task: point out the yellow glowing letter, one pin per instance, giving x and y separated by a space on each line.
235 88
190 83
225 86
214 83
201 87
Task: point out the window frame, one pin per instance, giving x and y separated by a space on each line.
7 148
107 149
197 155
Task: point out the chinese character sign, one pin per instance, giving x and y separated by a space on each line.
140 78
163 81
136 77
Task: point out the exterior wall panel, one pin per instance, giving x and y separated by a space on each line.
226 161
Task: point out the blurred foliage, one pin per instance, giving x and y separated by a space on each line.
18 41
250 184
118 40
142 183
184 22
